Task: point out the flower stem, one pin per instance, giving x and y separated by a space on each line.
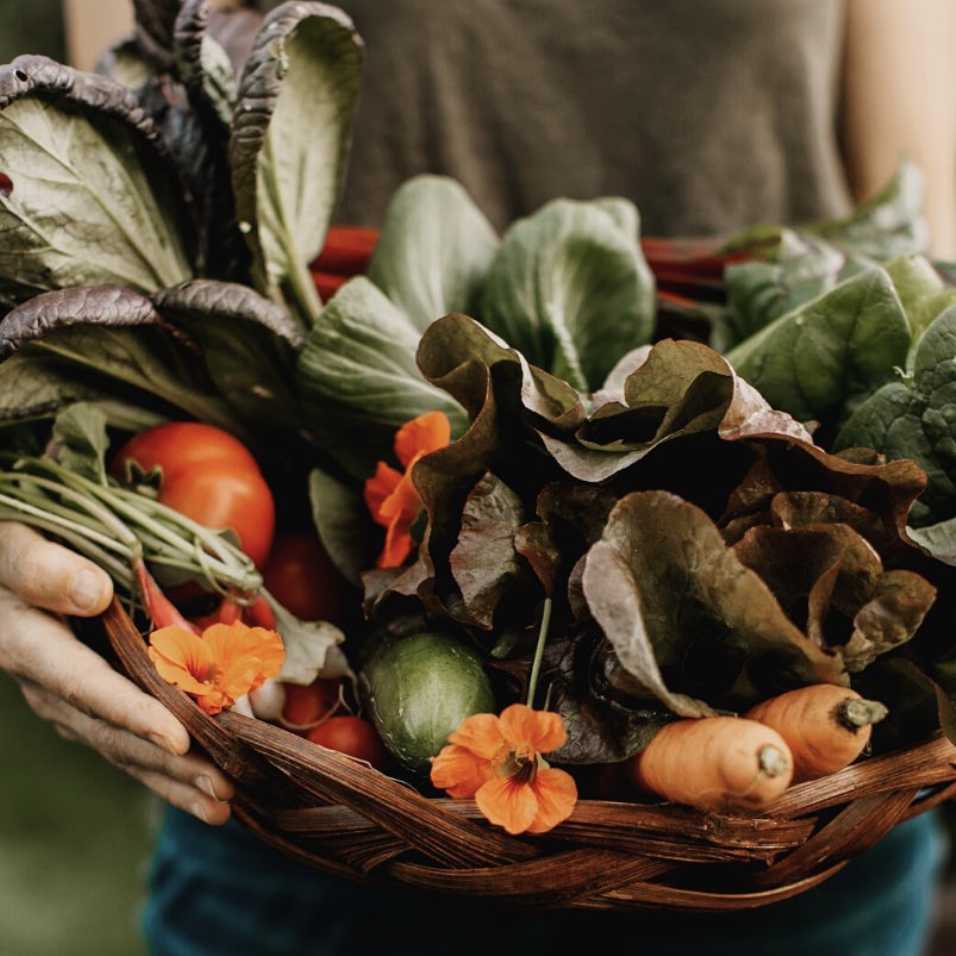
539 649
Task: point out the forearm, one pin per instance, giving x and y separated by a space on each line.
900 102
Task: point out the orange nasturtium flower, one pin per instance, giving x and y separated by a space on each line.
497 760
217 668
391 496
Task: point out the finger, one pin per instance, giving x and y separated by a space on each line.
187 798
42 650
50 576
126 750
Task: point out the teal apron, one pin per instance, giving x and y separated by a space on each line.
221 892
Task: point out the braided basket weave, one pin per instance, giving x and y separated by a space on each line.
343 817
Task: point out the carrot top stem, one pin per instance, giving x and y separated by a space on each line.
772 761
854 714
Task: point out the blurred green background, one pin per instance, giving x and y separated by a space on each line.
75 832
75 835
32 27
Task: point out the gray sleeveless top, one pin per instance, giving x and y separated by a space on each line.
711 115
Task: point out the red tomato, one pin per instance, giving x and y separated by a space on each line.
208 476
176 445
305 706
300 575
354 736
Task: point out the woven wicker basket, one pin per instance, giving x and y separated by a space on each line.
341 816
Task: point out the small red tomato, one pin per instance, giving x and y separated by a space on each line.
300 575
307 705
208 476
354 736
217 494
177 445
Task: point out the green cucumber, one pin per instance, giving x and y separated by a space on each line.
419 688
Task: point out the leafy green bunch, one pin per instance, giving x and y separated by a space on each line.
854 331
158 222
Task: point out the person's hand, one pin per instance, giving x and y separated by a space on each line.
74 688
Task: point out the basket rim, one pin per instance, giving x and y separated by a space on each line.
343 816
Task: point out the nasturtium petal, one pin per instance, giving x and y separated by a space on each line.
557 795
540 730
459 771
507 803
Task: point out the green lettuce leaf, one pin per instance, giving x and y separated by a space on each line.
249 346
890 223
204 65
343 523
434 250
81 441
311 647
844 344
922 291
570 289
91 199
937 539
358 379
290 137
760 290
103 343
913 418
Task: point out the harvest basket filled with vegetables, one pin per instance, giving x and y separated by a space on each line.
562 567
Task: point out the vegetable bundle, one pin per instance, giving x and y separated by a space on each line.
576 492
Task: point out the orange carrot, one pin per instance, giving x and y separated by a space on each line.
727 764
826 727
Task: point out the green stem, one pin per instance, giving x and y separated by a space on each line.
296 280
539 650
225 557
31 514
219 562
69 504
103 517
302 290
164 524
